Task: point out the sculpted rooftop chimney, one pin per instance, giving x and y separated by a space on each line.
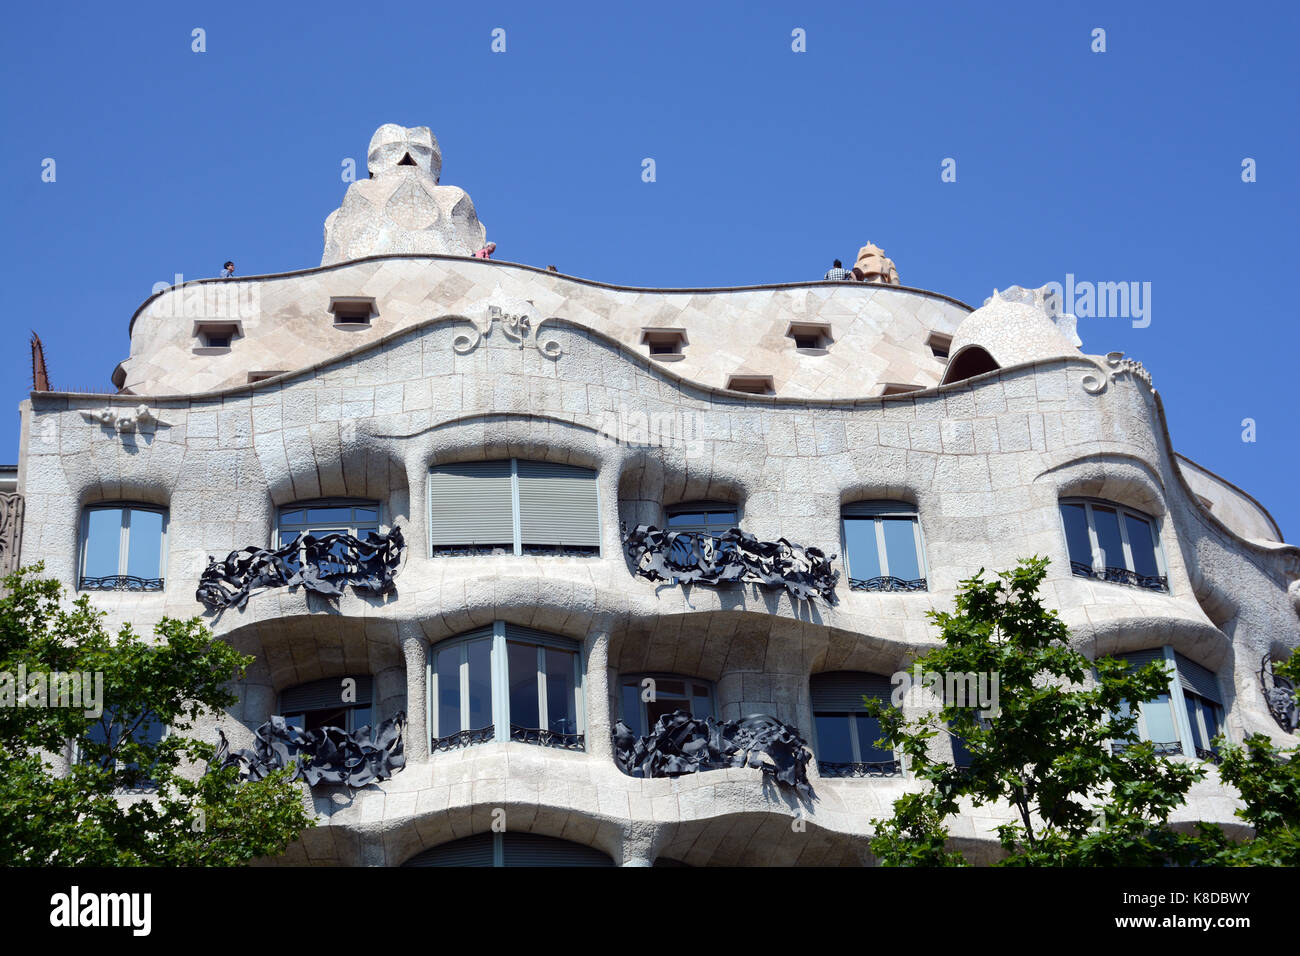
401 208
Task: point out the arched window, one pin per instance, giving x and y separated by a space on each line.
1188 715
513 507
1113 543
700 517
846 736
123 548
510 849
883 550
647 697
506 683
343 702
329 516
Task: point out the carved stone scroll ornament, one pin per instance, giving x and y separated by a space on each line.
323 565
682 744
688 557
329 755
1116 366
1279 694
517 322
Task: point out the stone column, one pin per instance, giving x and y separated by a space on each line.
415 649
596 692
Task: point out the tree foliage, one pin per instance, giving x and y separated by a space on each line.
130 798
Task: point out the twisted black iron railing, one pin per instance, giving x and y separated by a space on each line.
689 557
1152 582
868 768
547 738
464 738
1162 748
887 583
119 582
323 565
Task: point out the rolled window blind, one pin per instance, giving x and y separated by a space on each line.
323 694
557 505
471 851
534 849
1198 679
470 504
842 691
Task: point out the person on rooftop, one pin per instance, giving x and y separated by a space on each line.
486 251
228 270
837 271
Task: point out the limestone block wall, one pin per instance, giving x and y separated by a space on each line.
985 462
879 332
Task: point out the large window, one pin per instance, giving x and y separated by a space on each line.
647 697
513 507
1187 717
882 547
343 702
506 683
510 849
711 518
110 739
1113 543
123 548
846 736
319 518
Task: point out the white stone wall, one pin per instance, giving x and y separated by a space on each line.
985 462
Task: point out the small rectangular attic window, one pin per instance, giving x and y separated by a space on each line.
753 384
216 335
939 344
665 344
351 312
810 337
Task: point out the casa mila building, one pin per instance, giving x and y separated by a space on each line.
572 573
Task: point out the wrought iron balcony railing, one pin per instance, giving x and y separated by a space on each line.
690 557
464 738
547 738
887 583
1152 582
1162 748
119 582
870 768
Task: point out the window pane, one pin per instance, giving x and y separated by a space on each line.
103 539
860 551
447 665
833 743
900 549
291 517
560 713
144 544
360 717
662 707
868 734
687 519
1108 539
480 684
961 756
701 703
1075 518
362 515
522 662
722 519
1160 720
1212 723
342 515
632 708
1193 718
669 688
1142 543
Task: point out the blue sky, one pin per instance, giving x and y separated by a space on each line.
1115 166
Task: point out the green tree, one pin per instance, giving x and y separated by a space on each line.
128 800
1046 751
1268 780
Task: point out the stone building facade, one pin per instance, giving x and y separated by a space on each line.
514 423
